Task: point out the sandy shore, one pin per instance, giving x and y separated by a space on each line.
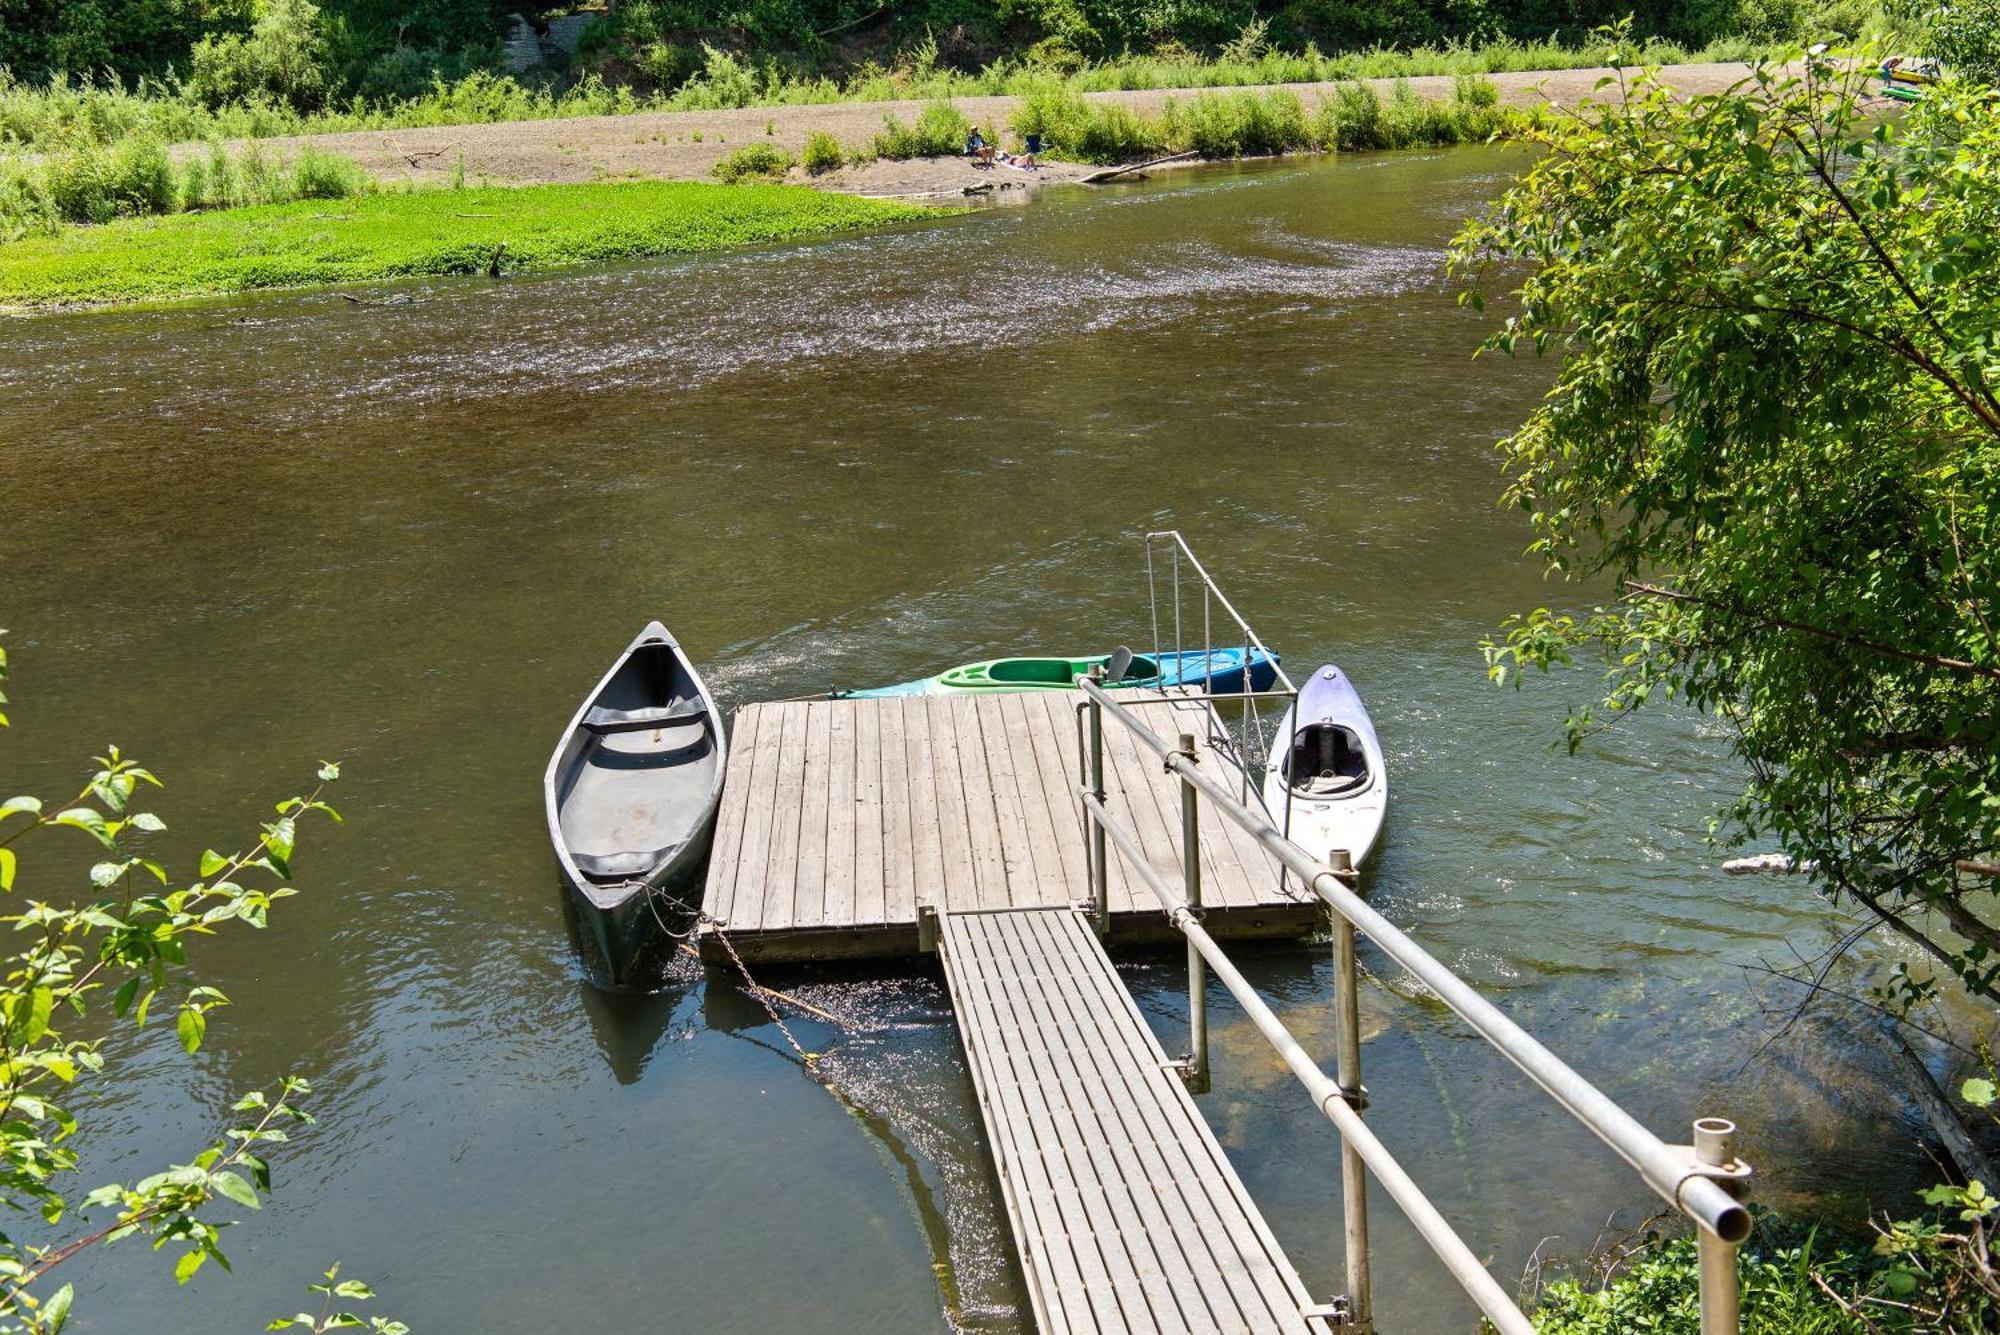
686 145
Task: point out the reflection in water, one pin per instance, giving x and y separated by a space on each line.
630 1026
408 537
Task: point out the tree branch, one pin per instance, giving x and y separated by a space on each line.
1819 632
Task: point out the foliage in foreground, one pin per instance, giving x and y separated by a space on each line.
418 233
1918 1277
1962 35
117 956
1777 427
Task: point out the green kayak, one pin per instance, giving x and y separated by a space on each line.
1219 671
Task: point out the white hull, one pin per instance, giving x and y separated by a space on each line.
1332 806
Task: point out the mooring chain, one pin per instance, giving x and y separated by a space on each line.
811 1059
702 918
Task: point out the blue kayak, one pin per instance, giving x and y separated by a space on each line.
1219 671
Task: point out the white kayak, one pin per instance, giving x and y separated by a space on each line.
1326 785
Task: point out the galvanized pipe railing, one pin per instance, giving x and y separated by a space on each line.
1689 1180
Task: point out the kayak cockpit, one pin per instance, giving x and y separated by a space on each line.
1326 760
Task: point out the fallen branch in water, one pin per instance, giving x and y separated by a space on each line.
1113 173
787 997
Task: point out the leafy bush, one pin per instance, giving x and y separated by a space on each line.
822 154
940 131
1964 35
92 184
1919 1276
753 161
317 174
1236 124
284 57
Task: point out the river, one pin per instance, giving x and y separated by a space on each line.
408 533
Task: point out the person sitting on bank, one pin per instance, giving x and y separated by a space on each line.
1031 149
978 149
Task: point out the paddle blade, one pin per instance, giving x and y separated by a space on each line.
1120 664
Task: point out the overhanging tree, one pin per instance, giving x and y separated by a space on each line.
1775 431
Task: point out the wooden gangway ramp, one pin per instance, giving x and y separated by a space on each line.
1125 1212
844 820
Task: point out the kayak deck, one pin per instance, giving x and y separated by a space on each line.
841 819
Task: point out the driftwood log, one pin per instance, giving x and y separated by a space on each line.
1112 173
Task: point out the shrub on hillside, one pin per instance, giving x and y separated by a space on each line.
1237 124
284 58
822 154
755 161
940 131
1084 131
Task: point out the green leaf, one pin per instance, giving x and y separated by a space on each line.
212 862
8 864
146 820
236 1189
55 1312
105 874
189 1263
328 771
1979 1092
35 1020
191 1026
89 820
14 805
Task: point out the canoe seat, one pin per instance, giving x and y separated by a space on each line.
613 866
603 719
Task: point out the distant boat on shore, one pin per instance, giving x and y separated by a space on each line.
631 795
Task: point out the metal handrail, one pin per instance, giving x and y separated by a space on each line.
1332 1101
1250 637
1686 1180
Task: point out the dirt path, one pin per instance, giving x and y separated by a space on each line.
686 145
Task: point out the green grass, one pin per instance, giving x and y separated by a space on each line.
415 233
67 113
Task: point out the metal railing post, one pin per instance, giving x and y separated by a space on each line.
1197 1071
1721 1293
1347 1074
1100 869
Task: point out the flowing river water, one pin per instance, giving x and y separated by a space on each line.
243 535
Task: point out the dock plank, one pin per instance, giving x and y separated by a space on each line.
1116 1188
870 898
1018 882
957 837
781 864
842 767
717 894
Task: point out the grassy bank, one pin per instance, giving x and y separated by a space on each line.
45 117
415 233
1233 123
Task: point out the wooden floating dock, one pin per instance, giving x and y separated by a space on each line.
843 819
847 825
1126 1213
